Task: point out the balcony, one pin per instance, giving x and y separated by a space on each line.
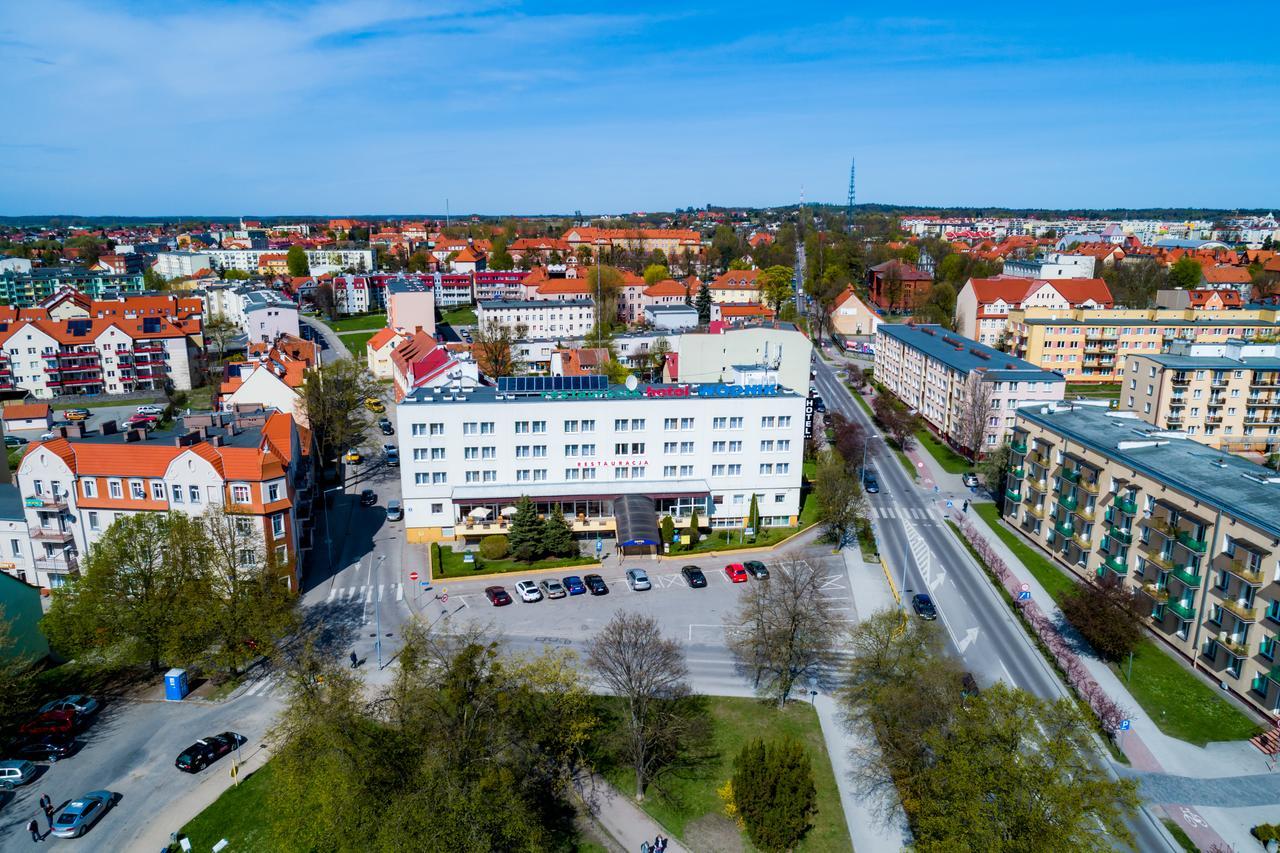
1071 475
1018 472
1090 486
1039 459
1121 535
1159 525
1036 511
1066 528
1019 447
1235 649
1068 501
1247 573
1155 593
1240 611
61 564
140 350
1126 505
1189 579
1117 564
1040 486
50 534
1213 419
1085 512
1156 558
1179 380
1013 495
57 503
1184 612
1083 541
1274 673
1191 543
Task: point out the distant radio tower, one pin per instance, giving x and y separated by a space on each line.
852 196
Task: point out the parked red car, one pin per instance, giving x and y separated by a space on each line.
50 723
736 572
497 596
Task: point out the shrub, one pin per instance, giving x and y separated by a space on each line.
668 530
1106 615
694 533
494 547
1265 832
435 558
774 793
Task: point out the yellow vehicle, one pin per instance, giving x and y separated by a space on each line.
375 406
76 414
353 457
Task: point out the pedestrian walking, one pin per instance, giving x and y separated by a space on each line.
46 806
354 660
33 826
966 506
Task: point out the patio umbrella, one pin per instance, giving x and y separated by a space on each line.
509 511
479 512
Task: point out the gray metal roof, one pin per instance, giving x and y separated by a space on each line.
1228 483
964 354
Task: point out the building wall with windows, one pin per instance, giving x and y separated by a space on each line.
541 319
1223 395
1093 345
939 373
1191 531
686 446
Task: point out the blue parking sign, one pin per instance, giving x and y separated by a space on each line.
1125 725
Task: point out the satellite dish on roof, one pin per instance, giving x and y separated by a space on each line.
632 382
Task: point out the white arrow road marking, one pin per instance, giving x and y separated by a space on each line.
969 637
938 581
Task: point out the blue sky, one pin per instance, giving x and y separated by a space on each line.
151 107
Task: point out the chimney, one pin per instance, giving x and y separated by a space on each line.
110 427
133 435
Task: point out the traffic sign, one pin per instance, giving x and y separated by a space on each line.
444 598
413 576
1024 595
424 583
1125 725
1026 587
950 503
599 546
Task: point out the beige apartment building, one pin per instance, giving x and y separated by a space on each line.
1093 344
1193 532
1224 395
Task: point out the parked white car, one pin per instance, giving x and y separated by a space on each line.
528 591
150 409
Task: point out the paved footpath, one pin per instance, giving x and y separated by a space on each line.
619 815
1179 776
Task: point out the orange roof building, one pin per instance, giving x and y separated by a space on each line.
251 463
983 304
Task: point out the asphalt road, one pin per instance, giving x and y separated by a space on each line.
923 554
331 346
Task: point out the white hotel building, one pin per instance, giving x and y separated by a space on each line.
614 460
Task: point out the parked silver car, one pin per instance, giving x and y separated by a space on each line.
395 511
81 813
553 588
638 580
15 773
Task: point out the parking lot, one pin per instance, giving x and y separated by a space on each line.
696 617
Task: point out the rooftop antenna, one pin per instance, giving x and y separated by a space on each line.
446 214
852 196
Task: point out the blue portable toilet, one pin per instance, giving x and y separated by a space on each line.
175 685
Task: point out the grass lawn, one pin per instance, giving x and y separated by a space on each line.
679 800
1180 836
951 462
358 324
730 540
453 567
1181 704
1054 582
356 343
200 399
906 463
861 401
237 815
1096 391
463 315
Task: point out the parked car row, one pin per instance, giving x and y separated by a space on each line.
637 579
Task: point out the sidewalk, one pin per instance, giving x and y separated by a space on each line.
619 816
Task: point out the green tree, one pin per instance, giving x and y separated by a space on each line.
694 533
775 285
668 531
332 399
1055 797
1185 273
420 261
152 280
655 273
526 535
753 518
17 678
774 792
703 303
994 470
250 605
839 496
296 258
218 332
557 536
725 245
939 306
499 257
494 347
139 595
1106 614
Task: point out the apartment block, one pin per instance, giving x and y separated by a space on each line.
570 317
73 486
1093 345
1224 395
1193 532
24 289
942 375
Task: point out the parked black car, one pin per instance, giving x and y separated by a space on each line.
368 497
385 425
204 752
596 585
923 606
44 748
694 576
756 569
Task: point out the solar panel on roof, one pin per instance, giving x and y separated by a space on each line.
539 384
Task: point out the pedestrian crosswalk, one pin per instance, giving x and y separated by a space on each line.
268 685
366 593
907 512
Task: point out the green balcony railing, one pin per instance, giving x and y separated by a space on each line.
1068 501
1124 537
1018 472
1064 527
1013 495
1117 564
1187 577
1274 673
1018 446
1071 475
1191 543
1185 612
1125 505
